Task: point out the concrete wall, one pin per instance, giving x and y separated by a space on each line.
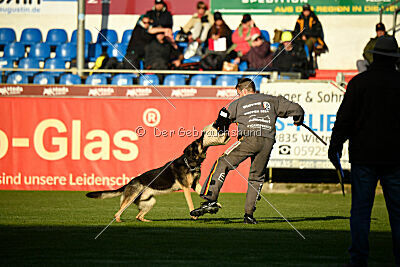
346 35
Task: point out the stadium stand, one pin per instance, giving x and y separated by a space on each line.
174 80
88 37
149 79
96 79
29 63
107 36
54 63
6 63
17 78
118 51
70 79
14 51
265 35
43 78
94 51
123 79
56 37
7 35
126 37
201 80
227 80
66 51
40 51
31 36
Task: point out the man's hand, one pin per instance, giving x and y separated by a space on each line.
334 154
298 120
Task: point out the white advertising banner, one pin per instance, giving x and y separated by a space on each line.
38 7
296 147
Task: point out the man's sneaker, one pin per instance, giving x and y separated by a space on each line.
249 219
206 207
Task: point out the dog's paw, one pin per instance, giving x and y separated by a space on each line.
194 217
219 205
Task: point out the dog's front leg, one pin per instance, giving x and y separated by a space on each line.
188 196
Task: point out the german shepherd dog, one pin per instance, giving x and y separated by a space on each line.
181 173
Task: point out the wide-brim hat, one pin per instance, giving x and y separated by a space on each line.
386 46
211 137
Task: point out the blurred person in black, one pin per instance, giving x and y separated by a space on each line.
369 117
363 64
293 58
313 34
142 35
159 15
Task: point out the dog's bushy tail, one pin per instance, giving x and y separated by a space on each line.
107 193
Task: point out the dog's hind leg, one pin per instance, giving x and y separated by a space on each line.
127 198
144 207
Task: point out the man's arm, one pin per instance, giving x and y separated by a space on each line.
345 122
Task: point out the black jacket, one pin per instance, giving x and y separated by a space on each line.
161 18
369 117
158 55
312 28
291 61
139 39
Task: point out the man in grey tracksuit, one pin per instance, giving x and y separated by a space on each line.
255 115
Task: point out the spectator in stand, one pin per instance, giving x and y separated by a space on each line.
363 64
293 58
219 40
142 35
219 37
313 34
159 15
162 53
259 56
200 23
241 38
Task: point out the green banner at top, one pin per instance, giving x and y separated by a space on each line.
292 7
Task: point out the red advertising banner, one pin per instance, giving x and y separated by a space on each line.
128 7
133 91
100 143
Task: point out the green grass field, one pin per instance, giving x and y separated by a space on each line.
58 228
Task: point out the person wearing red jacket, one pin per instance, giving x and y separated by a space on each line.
241 38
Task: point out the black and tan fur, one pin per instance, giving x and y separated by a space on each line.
180 174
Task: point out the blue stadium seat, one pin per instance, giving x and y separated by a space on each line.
118 51
70 79
96 79
149 79
174 80
256 79
7 35
6 63
40 51
31 36
66 51
123 79
107 36
17 78
44 78
243 66
201 80
54 63
126 37
56 37
14 51
94 51
227 80
265 35
193 59
29 63
88 37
